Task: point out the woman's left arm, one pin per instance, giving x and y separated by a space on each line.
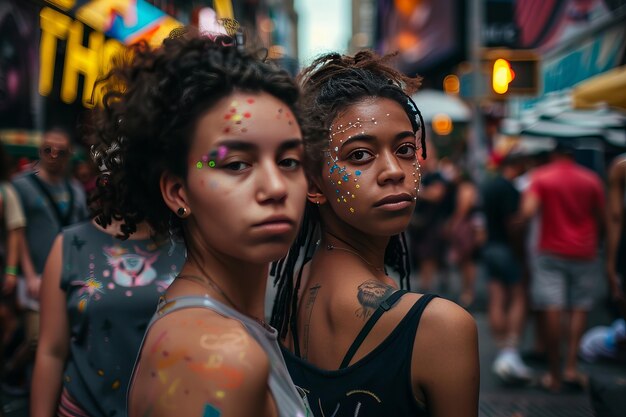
53 346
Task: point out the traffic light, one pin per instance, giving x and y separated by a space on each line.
501 76
512 71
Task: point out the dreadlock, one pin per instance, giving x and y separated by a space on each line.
332 83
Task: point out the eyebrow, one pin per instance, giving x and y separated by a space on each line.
370 138
240 145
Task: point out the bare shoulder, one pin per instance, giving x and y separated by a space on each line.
444 316
202 363
445 361
445 331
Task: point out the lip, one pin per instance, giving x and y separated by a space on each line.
395 202
275 224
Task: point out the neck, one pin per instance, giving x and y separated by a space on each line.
242 283
49 177
366 248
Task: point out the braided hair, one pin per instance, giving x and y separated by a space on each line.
331 84
154 99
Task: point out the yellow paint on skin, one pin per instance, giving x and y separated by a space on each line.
162 376
173 387
214 361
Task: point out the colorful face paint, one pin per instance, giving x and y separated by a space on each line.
371 156
340 173
211 158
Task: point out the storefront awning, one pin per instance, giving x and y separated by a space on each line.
608 88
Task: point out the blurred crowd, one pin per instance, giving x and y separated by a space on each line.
546 232
544 229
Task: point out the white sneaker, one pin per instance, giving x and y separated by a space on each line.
510 367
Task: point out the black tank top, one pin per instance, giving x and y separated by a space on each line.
377 385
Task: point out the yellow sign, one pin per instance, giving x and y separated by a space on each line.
90 61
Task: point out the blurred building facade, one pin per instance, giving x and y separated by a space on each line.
52 51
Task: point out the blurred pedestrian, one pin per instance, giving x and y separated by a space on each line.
12 222
352 340
465 234
51 200
609 342
616 233
570 199
503 260
203 142
426 230
98 295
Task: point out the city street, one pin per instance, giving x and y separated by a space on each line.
499 400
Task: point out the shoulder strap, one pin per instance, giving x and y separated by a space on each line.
63 220
419 307
382 307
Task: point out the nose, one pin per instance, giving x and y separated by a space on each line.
391 170
272 186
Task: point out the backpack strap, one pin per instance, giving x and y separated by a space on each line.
63 220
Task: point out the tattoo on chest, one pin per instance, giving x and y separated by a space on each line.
371 293
309 310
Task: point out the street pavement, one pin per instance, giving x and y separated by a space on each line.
500 400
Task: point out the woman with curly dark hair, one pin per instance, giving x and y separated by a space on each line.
201 140
351 336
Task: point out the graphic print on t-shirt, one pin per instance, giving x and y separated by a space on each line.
131 269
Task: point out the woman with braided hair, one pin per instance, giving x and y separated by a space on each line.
350 336
202 141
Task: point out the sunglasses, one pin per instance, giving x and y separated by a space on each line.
58 152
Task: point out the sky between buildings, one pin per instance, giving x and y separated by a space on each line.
323 26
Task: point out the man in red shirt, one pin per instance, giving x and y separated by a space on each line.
570 201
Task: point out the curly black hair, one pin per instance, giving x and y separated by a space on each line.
153 100
332 83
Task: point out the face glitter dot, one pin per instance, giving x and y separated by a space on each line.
205 158
199 165
358 186
338 182
357 172
351 210
212 164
